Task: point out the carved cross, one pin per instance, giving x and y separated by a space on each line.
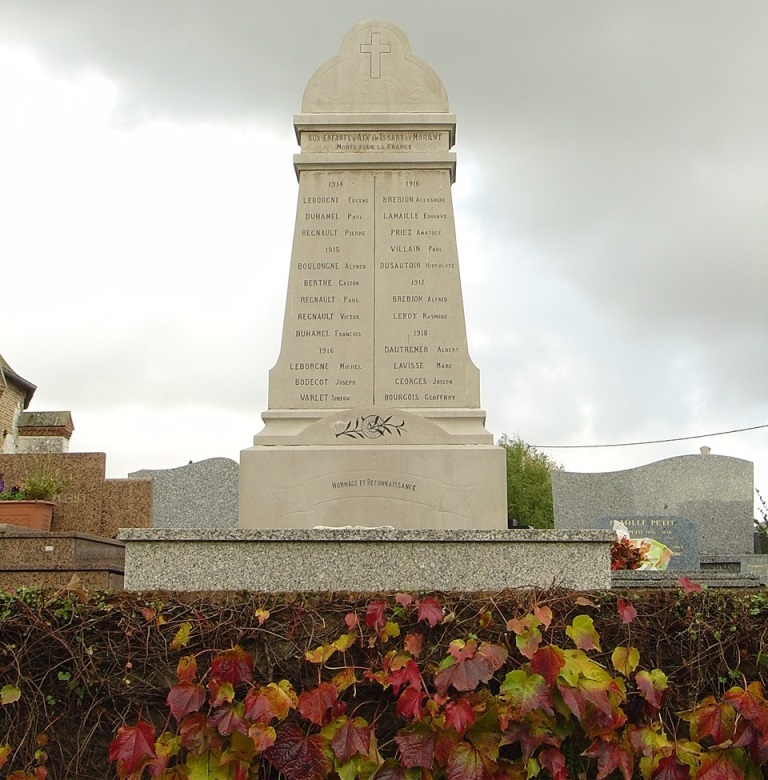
375 48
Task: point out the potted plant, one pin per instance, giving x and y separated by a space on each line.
30 503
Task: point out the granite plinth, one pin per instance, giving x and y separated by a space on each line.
364 559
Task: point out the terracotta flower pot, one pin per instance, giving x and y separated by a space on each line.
28 514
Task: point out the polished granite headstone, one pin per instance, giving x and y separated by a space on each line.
715 491
680 534
374 403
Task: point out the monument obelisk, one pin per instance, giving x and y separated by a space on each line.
374 404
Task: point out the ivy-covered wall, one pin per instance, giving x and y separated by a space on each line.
384 686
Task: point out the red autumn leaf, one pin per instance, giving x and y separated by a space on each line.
417 746
582 632
688 585
583 601
527 634
351 621
544 614
527 692
574 700
196 735
461 650
730 764
226 719
374 614
263 736
316 705
548 662
711 718
447 739
530 736
405 675
671 769
414 644
468 673
459 714
430 611
404 599
187 668
409 705
299 756
627 611
610 756
747 736
233 666
185 697
389 770
553 761
750 703
352 737
134 746
466 763
267 702
221 692
652 686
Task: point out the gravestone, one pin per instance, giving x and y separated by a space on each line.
680 534
755 565
198 495
374 403
715 491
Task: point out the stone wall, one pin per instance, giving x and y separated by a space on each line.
91 503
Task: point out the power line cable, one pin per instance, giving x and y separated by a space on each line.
636 443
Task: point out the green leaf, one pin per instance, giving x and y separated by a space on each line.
9 694
625 660
652 686
582 632
206 767
182 637
527 692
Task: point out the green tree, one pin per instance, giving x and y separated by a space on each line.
529 483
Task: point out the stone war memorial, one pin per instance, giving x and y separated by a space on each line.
374 469
374 414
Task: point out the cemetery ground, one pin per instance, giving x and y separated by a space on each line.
526 683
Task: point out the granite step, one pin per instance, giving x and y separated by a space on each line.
668 579
49 559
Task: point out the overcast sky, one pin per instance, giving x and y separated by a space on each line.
611 211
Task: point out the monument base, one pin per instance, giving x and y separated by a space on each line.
364 560
416 486
374 466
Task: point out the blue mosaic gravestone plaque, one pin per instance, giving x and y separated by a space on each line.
680 534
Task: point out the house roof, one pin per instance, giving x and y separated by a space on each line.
9 377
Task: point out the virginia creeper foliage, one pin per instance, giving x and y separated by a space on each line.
518 708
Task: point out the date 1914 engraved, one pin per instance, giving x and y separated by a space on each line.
373 426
